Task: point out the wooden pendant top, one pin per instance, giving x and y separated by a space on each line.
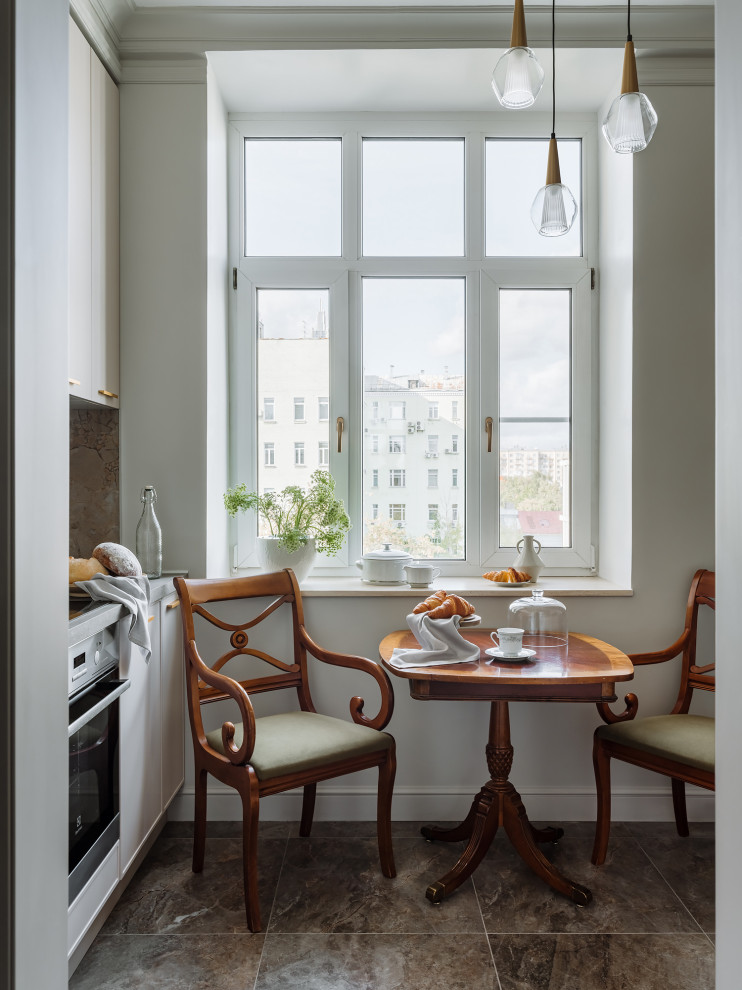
629 80
553 175
518 36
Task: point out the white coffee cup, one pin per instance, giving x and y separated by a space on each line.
508 640
420 575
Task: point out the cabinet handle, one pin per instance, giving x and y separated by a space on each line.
340 426
151 618
73 381
104 391
173 604
488 430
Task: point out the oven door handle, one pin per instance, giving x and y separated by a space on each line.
117 689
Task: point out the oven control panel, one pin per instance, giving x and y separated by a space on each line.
91 658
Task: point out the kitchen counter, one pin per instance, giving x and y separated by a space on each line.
87 624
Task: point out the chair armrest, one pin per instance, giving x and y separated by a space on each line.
660 656
357 663
234 690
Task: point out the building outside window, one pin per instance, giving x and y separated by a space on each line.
432 512
324 319
397 512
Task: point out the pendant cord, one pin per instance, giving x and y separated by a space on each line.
553 68
628 19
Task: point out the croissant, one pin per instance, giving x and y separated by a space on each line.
452 605
433 602
509 576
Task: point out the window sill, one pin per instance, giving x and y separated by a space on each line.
474 587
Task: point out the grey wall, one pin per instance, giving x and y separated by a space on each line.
41 492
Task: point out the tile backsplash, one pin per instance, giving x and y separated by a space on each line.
94 479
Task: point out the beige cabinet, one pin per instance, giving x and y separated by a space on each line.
93 366
152 728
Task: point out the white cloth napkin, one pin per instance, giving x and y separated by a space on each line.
440 640
133 594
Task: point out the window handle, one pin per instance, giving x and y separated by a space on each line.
341 427
488 431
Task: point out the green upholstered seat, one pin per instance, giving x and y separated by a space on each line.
686 739
295 741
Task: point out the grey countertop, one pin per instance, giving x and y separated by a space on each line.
89 623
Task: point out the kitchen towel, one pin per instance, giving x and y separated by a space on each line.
133 594
440 640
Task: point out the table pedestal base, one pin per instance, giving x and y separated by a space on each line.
498 803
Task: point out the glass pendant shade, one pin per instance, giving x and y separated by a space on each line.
517 79
630 123
554 208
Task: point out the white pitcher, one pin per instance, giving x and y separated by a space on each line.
528 557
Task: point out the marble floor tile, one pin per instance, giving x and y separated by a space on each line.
165 896
376 962
687 864
228 830
170 962
336 885
327 830
603 962
629 894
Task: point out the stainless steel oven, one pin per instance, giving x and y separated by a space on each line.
93 731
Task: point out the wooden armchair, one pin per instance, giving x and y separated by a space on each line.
678 745
261 756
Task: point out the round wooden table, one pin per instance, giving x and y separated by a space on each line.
586 670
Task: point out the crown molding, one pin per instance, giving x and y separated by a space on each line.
93 19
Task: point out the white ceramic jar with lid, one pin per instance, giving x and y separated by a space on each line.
385 566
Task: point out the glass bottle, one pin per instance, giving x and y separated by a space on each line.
149 535
543 621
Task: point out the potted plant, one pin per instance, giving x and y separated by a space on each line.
296 523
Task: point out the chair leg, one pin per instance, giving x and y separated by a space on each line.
387 771
678 804
307 809
248 789
199 820
602 766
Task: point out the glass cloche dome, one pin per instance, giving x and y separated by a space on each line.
543 621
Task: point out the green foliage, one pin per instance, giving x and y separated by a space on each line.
296 514
445 540
534 492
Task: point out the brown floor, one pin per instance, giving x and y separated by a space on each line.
333 922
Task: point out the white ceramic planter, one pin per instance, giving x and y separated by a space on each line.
272 557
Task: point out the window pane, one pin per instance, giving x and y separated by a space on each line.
293 197
420 323
514 173
413 197
293 374
535 419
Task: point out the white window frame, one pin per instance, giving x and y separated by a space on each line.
266 402
323 405
484 276
323 453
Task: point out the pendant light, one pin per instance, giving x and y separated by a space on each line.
518 77
554 208
631 120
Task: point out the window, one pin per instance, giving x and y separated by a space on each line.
397 512
416 300
432 512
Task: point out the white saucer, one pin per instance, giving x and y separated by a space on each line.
471 620
499 655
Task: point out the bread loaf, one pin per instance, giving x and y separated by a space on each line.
85 568
118 560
